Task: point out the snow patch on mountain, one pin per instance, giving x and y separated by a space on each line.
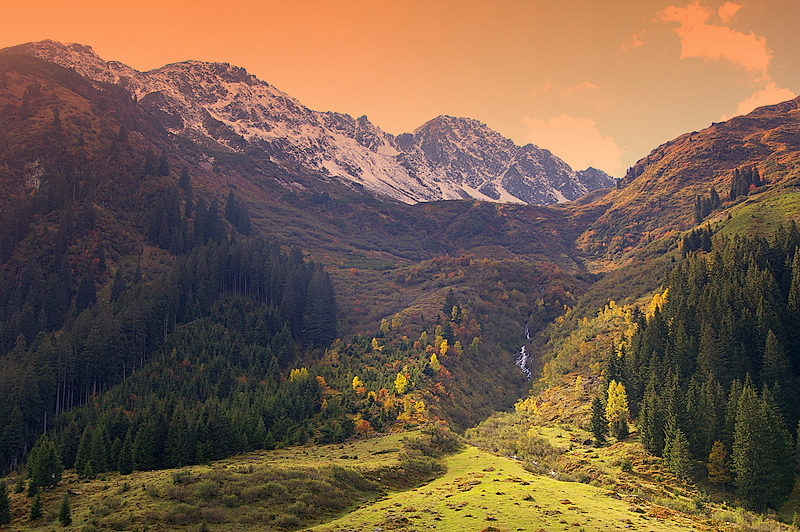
445 158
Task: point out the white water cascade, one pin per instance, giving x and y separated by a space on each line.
522 358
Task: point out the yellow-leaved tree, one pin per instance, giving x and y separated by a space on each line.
443 347
298 374
617 412
400 383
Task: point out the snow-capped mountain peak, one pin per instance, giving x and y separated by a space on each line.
225 107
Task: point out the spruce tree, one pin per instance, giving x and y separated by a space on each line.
762 451
36 507
747 453
599 422
64 512
44 463
125 460
5 505
83 455
676 451
650 423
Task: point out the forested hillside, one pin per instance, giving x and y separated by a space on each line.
712 373
130 255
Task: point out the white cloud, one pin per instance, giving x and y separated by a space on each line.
768 96
577 141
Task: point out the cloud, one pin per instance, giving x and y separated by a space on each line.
768 96
577 141
699 38
635 41
727 11
551 87
586 85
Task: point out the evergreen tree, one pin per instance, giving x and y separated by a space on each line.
83 454
320 311
64 512
5 505
99 450
244 226
775 366
87 292
125 460
181 446
650 422
145 446
118 285
36 507
676 451
184 181
44 463
232 211
163 164
599 423
762 451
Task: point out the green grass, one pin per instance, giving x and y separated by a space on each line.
285 488
762 217
481 490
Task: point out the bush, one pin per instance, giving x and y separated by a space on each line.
182 515
206 490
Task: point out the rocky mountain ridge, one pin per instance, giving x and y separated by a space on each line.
224 107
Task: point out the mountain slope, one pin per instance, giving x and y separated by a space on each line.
659 193
223 106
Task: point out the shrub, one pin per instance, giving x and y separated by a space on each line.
205 490
182 515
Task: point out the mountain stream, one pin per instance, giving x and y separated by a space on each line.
522 358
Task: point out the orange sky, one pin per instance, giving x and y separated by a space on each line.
598 82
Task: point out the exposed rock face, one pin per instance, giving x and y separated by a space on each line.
223 106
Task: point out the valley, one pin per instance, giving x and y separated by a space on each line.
191 299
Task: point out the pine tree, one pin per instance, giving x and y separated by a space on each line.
163 164
599 423
64 512
36 507
5 505
125 460
44 463
650 422
320 310
676 451
762 451
118 285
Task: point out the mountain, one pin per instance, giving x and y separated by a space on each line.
659 194
224 107
175 288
